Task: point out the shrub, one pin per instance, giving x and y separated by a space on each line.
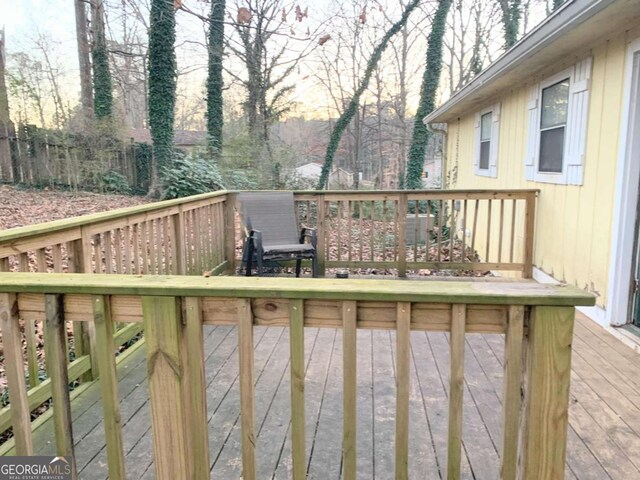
114 182
190 176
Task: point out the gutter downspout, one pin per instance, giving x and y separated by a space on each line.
438 128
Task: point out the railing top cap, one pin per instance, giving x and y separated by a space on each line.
463 292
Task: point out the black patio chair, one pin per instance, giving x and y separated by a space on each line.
271 233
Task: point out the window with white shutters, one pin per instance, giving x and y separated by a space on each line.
558 112
487 130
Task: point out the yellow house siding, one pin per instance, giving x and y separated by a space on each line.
574 223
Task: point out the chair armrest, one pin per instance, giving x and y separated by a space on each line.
256 238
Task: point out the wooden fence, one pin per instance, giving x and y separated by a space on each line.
537 322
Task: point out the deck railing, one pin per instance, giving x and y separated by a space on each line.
537 322
413 230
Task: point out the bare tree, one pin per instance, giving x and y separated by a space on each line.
84 61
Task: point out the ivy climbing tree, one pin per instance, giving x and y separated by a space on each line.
102 90
214 80
511 13
557 4
430 82
348 114
162 87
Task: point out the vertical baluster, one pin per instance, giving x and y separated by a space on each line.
529 224
135 232
501 230
296 336
514 204
126 233
452 230
441 223
403 362
339 229
30 334
159 246
464 231
475 227
197 226
458 319
56 252
97 253
55 345
152 246
360 229
350 227
107 252
350 382
12 344
373 229
118 246
247 409
166 251
195 388
489 211
109 385
401 234
511 392
227 227
41 260
144 246
416 230
322 234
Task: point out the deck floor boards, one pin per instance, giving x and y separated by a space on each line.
604 416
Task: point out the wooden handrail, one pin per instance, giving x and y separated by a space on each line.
174 310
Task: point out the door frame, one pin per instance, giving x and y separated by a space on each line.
621 270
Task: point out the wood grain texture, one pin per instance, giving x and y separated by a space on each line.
109 386
14 371
403 359
55 344
296 338
456 385
165 367
546 400
247 408
511 392
195 389
350 384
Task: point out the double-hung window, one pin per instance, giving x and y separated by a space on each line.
487 126
558 109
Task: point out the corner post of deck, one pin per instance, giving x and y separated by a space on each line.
174 421
547 371
83 254
230 232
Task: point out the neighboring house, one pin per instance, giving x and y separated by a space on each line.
560 112
339 178
183 139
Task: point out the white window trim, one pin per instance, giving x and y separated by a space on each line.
492 171
550 177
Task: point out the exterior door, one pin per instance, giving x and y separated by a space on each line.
634 149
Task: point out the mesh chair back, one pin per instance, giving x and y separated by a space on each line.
273 214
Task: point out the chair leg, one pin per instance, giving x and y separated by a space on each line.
314 267
298 265
260 266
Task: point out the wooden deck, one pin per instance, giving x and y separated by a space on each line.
604 433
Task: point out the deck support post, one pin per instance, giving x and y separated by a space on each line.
230 233
321 233
173 418
55 344
547 370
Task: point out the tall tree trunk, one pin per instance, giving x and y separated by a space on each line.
162 87
215 118
6 172
103 94
430 83
348 114
84 51
511 13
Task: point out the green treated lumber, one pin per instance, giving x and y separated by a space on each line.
525 292
296 337
48 228
195 389
166 371
105 347
55 344
8 448
127 333
38 395
14 371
